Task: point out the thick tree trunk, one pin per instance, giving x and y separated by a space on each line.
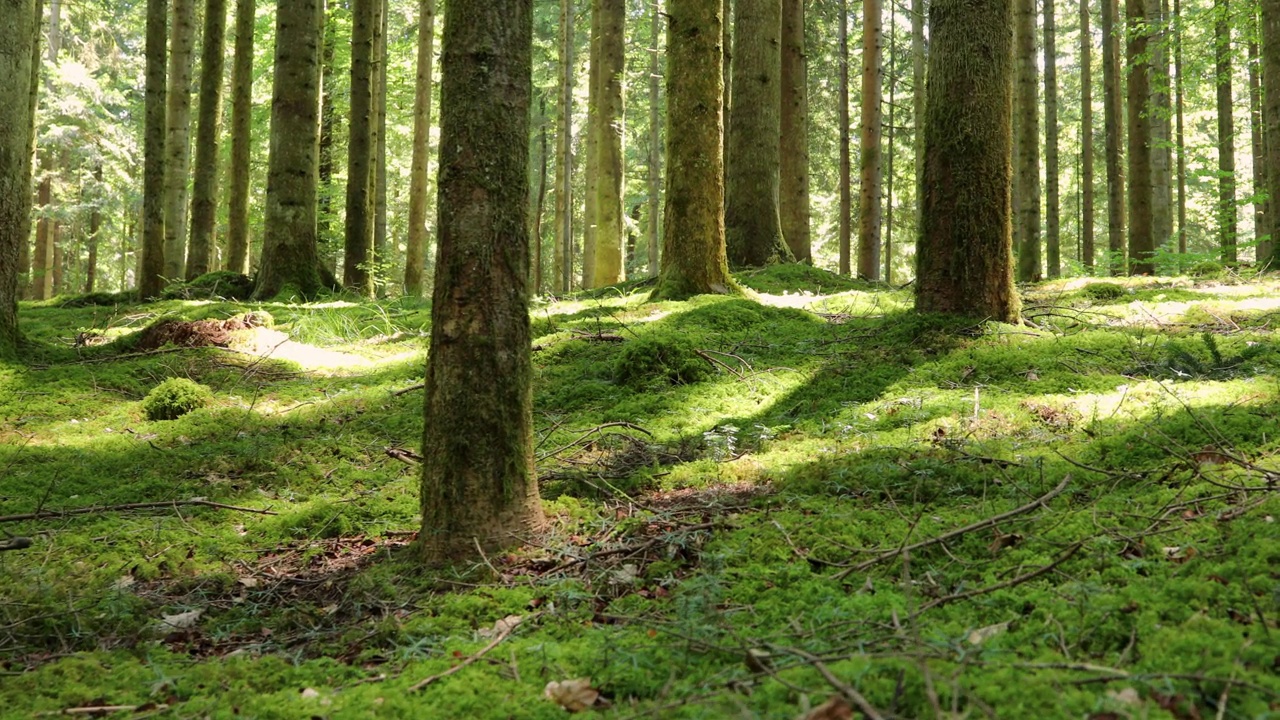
17 36
1141 245
693 247
564 155
1113 123
360 148
1028 144
290 261
1086 140
1160 115
1226 135
479 487
241 117
1052 222
178 137
793 196
869 143
753 228
845 221
607 268
965 253
204 194
151 279
654 214
415 255
1270 32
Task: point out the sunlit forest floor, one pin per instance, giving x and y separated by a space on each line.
800 504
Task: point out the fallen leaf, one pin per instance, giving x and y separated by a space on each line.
981 635
1127 696
310 693
182 621
572 695
248 581
502 626
834 709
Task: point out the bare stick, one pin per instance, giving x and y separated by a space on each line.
1007 583
995 520
406 391
128 506
844 688
502 635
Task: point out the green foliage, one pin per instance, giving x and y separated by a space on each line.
220 284
174 398
664 360
1103 291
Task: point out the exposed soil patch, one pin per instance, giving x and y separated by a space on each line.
196 333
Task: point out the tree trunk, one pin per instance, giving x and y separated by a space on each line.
1086 140
204 194
95 229
46 226
540 199
654 219
591 181
887 260
726 59
965 253
917 101
608 268
328 244
18 35
1226 134
1160 114
479 487
845 221
1270 32
290 261
382 254
1260 205
178 139
360 149
241 117
1181 137
793 198
753 228
415 257
33 95
1052 222
151 279
1113 123
1028 129
564 156
693 247
1141 246
869 136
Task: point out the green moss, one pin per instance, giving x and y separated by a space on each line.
174 398
661 360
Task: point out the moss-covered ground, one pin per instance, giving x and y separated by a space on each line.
758 505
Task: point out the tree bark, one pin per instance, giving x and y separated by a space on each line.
607 268
290 260
17 37
33 96
654 214
887 259
1028 144
845 220
591 181
327 244
241 118
1052 200
539 201
204 194
917 100
1160 114
95 229
1141 246
383 256
360 148
46 226
869 213
1260 204
965 252
1226 134
1270 32
753 228
415 256
151 279
1181 137
479 487
1087 250
178 137
793 196
1113 123
726 60
564 161
693 243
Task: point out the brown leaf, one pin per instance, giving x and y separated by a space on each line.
834 709
572 695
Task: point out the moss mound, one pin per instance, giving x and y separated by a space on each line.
664 360
218 284
174 398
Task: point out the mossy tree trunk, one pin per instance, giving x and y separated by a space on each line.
917 99
1180 143
204 194
1141 245
360 148
151 277
965 251
479 487
241 123
793 196
1113 127
182 38
753 227
563 252
1086 140
1028 144
416 251
654 212
1260 205
693 247
1270 32
290 260
1226 133
33 96
869 210
1052 200
95 230
607 267
17 37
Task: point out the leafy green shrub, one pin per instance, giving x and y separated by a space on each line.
220 283
1103 291
174 398
667 359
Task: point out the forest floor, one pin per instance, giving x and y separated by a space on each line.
808 503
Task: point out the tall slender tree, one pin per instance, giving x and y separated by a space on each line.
591 152
178 136
47 225
1226 133
381 251
1113 123
654 212
204 194
869 212
290 260
607 268
1270 32
151 278
917 99
1141 246
479 487
793 195
1087 250
845 220
693 243
325 235
24 228
1027 126
415 250
564 155
965 252
753 227
1160 115
1052 200
241 129
1180 141
1260 205
360 149
17 38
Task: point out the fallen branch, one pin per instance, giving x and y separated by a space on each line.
633 550
981 524
591 432
506 632
406 391
1006 584
15 543
407 457
841 686
129 506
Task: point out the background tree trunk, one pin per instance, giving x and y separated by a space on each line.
1161 135
607 268
1260 205
360 149
564 162
693 247
479 487
46 225
591 180
1052 223
1086 140
1140 239
241 120
1270 32
382 251
1226 134
654 214
793 196
917 99
95 230
151 279
845 220
290 261
415 252
1181 137
965 253
869 143
204 194
1113 123
1028 143
328 244
33 96
178 137
18 35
